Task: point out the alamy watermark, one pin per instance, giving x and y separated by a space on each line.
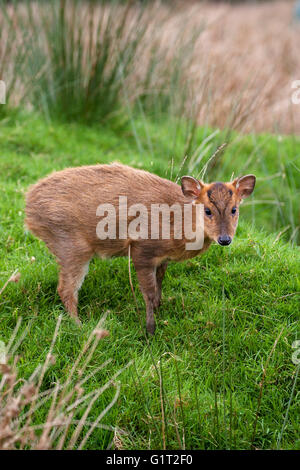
2 92
139 222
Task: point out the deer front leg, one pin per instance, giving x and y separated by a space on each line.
148 286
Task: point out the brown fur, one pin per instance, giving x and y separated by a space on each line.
61 210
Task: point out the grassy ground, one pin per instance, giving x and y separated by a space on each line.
227 320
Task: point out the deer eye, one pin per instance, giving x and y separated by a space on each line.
233 210
207 211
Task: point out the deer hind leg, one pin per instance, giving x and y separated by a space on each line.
73 269
160 273
147 281
70 280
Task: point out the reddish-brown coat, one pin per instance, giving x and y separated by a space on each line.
61 210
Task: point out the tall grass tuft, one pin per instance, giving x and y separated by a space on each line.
83 61
78 53
89 61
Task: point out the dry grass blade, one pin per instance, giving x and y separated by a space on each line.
211 159
261 385
20 399
13 278
102 414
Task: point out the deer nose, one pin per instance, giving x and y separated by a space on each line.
224 240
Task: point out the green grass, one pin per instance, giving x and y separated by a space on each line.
221 313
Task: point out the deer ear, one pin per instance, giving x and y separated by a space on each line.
244 185
191 187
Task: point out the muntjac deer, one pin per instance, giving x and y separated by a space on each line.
92 210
